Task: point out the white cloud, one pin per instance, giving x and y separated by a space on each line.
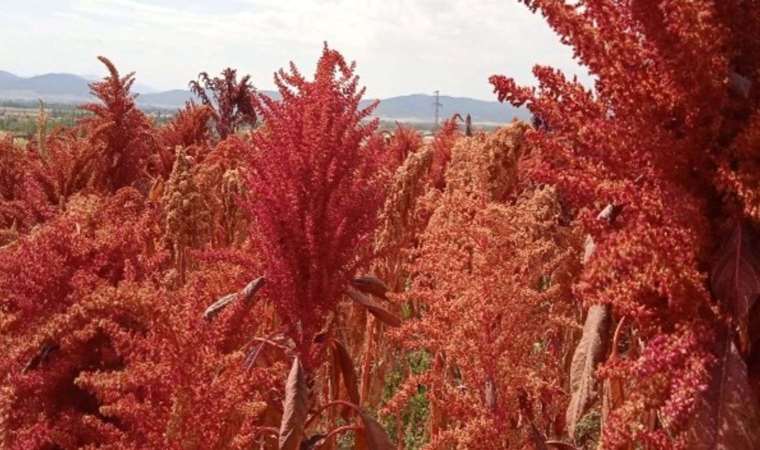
400 46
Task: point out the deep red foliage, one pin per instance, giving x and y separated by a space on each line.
187 129
442 144
231 100
674 89
23 201
403 142
116 235
483 275
59 318
315 191
122 131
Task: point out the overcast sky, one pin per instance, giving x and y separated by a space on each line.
401 47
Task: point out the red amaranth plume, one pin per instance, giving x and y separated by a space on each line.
188 127
442 145
315 189
404 141
230 99
124 132
675 88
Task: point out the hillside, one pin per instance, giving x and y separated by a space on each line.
74 89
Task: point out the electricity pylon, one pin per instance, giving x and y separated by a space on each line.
437 105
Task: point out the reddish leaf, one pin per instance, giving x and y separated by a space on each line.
373 436
538 439
739 84
735 279
588 353
378 311
371 285
295 408
727 417
350 380
612 396
312 442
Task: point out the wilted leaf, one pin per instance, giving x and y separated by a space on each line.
373 436
727 417
538 439
588 353
219 305
735 278
41 356
378 311
609 213
350 380
612 396
251 288
246 294
490 394
253 354
324 333
371 285
612 391
295 408
277 340
589 247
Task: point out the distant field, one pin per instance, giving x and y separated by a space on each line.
20 119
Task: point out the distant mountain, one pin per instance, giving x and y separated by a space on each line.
169 99
59 87
419 108
51 87
7 77
74 89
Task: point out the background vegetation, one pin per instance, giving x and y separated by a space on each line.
283 274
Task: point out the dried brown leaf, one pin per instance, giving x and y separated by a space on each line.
346 365
295 408
490 394
373 307
371 285
609 213
588 353
589 247
214 308
246 294
251 289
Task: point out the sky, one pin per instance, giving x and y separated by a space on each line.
400 46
